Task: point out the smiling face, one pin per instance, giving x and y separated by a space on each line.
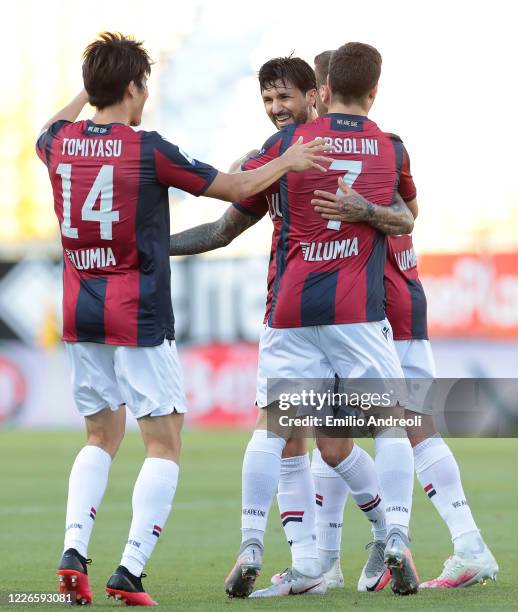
285 104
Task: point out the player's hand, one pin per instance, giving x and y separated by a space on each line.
348 206
304 156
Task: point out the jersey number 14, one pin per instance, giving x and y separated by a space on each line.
102 186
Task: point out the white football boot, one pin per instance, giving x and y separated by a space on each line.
293 582
398 558
241 579
334 577
375 574
463 571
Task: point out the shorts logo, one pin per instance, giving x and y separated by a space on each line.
385 332
93 513
294 516
430 491
325 251
319 499
157 530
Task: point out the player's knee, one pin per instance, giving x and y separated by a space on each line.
109 441
295 447
421 432
161 449
334 454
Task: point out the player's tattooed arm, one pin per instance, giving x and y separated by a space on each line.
210 236
70 112
351 207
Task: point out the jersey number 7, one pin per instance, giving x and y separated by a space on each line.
103 186
353 169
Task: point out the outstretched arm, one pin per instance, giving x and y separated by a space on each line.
241 185
210 236
71 111
351 207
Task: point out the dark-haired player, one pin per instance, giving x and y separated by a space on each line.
435 465
289 353
110 186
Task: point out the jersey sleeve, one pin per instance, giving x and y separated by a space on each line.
406 188
175 168
44 142
255 206
268 152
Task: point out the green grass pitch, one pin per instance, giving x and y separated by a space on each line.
201 539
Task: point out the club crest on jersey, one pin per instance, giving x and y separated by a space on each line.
325 251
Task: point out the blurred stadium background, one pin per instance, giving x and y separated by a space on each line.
446 67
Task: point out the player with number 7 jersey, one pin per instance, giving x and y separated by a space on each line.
326 272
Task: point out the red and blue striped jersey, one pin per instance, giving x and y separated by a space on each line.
326 273
110 186
406 299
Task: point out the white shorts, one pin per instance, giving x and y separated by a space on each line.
349 351
417 361
147 379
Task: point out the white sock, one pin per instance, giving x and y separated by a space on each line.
395 468
296 500
153 496
439 475
86 487
359 473
260 479
331 496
